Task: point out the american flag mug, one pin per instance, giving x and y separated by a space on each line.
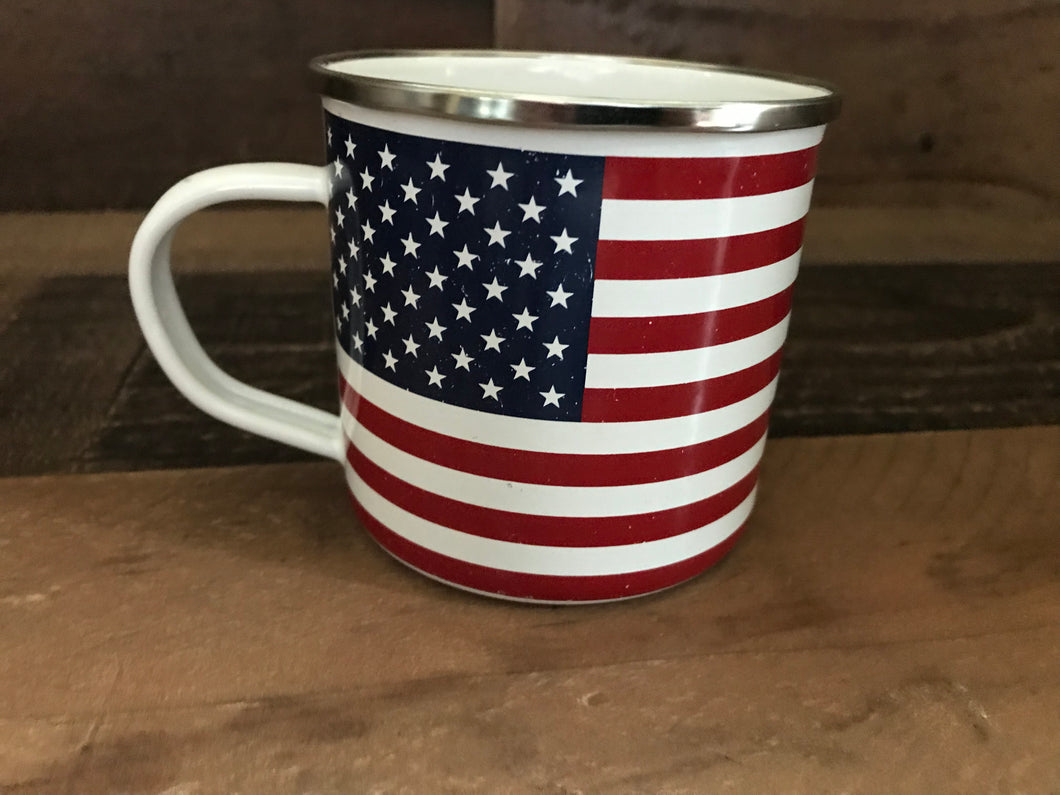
561 284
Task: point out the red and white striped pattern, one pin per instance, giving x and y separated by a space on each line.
694 269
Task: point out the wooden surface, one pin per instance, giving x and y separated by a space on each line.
890 622
946 104
871 349
187 610
107 104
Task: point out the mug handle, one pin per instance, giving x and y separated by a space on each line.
166 328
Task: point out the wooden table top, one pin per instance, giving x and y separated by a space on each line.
187 609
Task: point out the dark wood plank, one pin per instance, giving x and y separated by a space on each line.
148 92
65 350
224 630
871 349
946 102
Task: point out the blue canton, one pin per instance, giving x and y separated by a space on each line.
464 273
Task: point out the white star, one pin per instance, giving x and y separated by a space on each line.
366 179
345 312
435 377
387 158
559 296
391 361
372 327
492 341
332 230
411 297
339 217
411 191
338 168
462 360
555 348
335 280
552 396
329 135
490 390
467 202
389 314
358 343
411 346
437 167
437 279
355 296
369 282
350 146
569 184
563 242
465 258
366 227
532 210
463 310
525 320
350 198
410 246
437 225
500 176
342 266
494 290
436 329
388 213
528 267
522 370
497 234
388 264
338 325
355 250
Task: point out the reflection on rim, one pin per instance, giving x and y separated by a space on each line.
543 110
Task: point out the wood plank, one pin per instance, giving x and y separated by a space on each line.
65 349
945 101
233 629
149 92
871 349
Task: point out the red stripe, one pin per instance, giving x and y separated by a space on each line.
682 259
558 531
706 177
677 400
686 332
537 586
561 469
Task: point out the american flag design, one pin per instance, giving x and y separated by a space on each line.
556 369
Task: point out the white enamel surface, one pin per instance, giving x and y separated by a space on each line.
578 77
545 436
557 561
654 143
692 295
630 370
165 325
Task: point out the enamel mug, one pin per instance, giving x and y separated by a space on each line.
560 289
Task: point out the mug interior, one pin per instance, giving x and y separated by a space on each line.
582 77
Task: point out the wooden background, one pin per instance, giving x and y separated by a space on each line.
952 108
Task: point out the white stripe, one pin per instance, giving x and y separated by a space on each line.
549 500
648 297
586 141
546 436
694 219
556 561
629 370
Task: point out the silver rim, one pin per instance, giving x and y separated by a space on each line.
534 110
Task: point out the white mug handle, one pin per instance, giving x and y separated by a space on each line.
165 326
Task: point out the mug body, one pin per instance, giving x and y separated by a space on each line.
558 337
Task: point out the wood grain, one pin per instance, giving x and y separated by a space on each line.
946 104
871 349
108 104
890 620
